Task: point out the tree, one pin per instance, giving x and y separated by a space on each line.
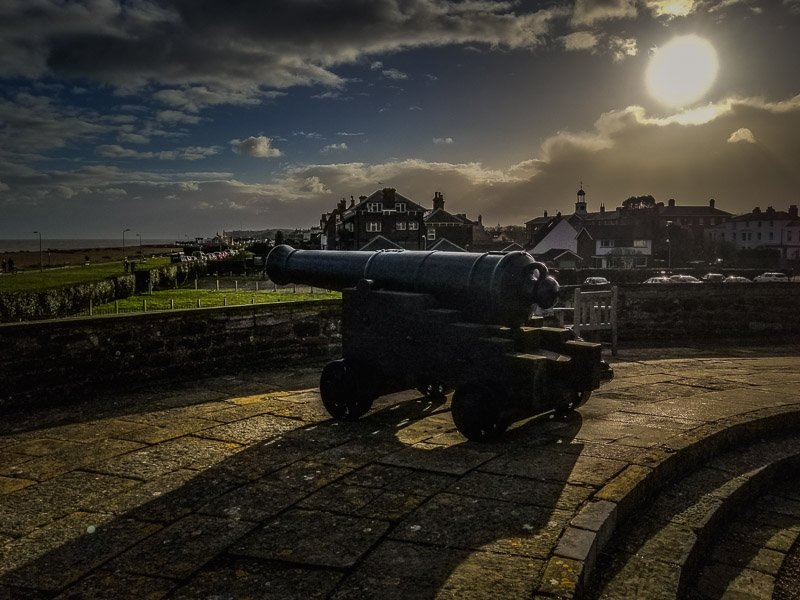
639 202
279 237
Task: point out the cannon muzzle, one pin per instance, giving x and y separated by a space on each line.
492 287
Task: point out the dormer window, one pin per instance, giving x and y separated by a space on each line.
400 207
374 207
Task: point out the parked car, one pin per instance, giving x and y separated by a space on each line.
713 278
596 281
660 279
737 279
683 279
771 277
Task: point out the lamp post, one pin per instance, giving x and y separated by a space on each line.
123 242
41 263
139 235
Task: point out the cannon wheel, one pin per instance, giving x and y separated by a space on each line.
346 390
433 390
477 411
558 396
568 400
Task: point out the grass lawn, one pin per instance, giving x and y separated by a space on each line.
34 280
188 298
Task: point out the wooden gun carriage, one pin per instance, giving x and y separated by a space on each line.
440 321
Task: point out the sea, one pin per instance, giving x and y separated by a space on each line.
32 245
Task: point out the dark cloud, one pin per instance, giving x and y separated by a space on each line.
238 43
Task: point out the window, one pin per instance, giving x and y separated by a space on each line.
770 236
640 261
373 226
413 225
640 243
431 234
400 207
606 243
788 236
401 226
722 235
759 223
759 235
749 237
374 207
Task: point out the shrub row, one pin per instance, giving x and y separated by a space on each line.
62 301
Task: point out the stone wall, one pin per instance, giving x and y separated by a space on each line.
703 313
50 361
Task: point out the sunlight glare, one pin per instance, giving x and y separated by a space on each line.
682 71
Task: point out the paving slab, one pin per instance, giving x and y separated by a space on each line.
242 486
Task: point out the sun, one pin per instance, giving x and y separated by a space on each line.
682 71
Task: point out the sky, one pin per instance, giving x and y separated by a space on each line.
184 118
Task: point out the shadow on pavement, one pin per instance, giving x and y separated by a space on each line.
396 505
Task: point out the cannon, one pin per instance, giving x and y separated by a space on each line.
442 321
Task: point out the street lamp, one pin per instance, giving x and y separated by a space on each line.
41 263
139 235
123 242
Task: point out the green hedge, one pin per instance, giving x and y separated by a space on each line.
62 301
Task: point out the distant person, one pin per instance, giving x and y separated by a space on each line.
10 265
5 266
125 263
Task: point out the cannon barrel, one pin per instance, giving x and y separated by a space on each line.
491 286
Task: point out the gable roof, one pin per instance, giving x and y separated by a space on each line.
440 215
380 242
445 245
380 196
557 254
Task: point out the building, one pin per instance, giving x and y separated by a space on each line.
696 219
442 225
762 229
386 219
621 238
383 213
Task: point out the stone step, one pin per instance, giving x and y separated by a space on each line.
657 552
711 457
749 558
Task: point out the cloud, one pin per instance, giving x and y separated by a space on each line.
4 187
743 134
36 123
210 51
193 99
174 116
580 40
345 133
672 8
330 95
447 140
188 153
588 12
259 147
394 74
596 42
334 147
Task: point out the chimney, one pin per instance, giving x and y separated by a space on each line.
711 203
545 213
342 204
480 217
438 201
672 202
793 211
388 195
757 210
770 210
602 209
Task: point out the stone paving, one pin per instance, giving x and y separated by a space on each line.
242 487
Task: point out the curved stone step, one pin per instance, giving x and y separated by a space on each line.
569 571
659 549
752 556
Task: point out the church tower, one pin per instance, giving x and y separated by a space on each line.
580 205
